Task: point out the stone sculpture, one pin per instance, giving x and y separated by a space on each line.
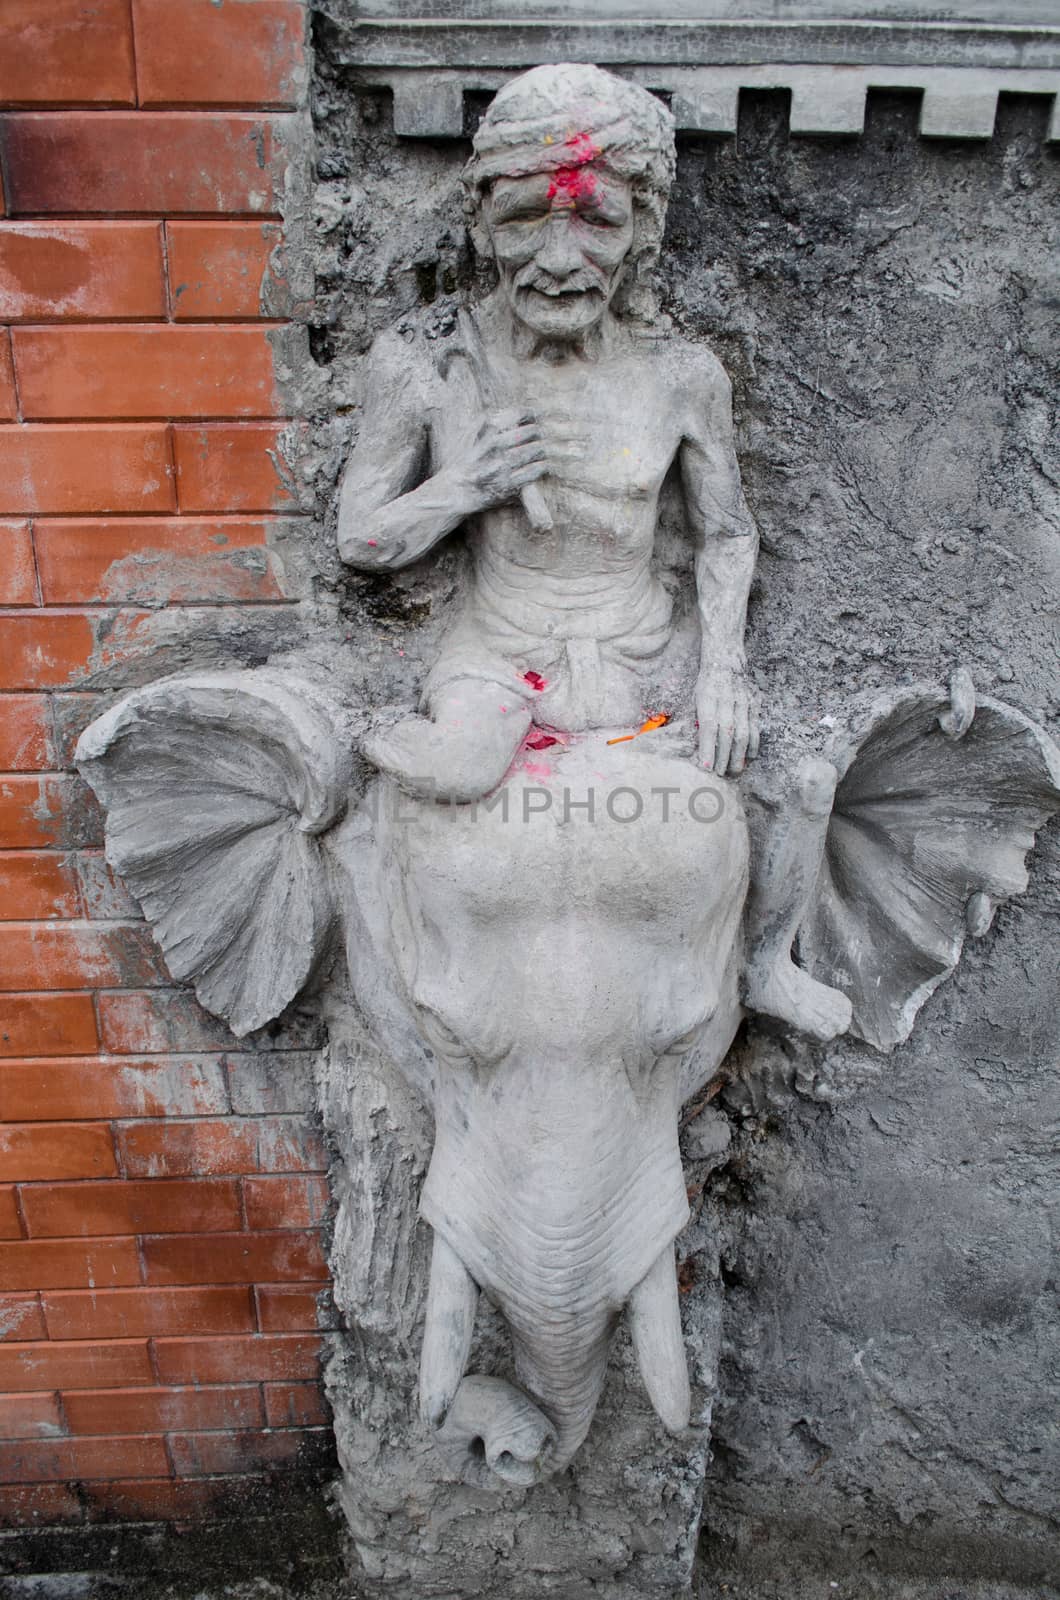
553 916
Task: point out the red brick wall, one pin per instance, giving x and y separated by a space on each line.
160 1189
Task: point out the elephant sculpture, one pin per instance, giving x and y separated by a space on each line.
555 970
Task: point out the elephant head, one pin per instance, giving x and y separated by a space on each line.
555 970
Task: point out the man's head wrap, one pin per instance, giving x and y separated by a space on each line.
556 118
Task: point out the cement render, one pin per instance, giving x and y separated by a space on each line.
880 1226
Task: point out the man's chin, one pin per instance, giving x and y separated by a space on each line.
560 316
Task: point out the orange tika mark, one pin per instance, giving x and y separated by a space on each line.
658 721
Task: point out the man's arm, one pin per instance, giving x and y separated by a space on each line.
386 518
726 550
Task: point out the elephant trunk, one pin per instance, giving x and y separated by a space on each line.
524 1434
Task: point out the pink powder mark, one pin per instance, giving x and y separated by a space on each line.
373 543
570 181
538 739
535 680
536 769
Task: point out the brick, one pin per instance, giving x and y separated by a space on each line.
166 1500
196 52
189 1501
134 1456
38 1505
218 269
44 649
51 271
77 1365
71 714
67 51
154 1022
163 163
35 1506
295 1405
75 955
145 371
10 1225
291 1308
47 1024
289 1202
290 1144
18 578
41 1150
48 811
201 1455
135 1313
231 1258
76 1210
103 895
236 1360
280 1081
26 742
231 1144
69 1264
92 1086
31 1416
231 468
158 561
93 468
169 1149
21 1317
8 394
38 884
163 1410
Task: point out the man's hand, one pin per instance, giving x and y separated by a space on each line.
506 454
728 720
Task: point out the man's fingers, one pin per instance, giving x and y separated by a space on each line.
513 436
741 737
529 474
707 713
521 455
723 746
512 418
755 734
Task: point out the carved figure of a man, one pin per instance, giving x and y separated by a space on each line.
546 426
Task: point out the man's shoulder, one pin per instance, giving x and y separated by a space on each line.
691 362
414 344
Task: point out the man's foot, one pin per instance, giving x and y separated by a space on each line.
785 991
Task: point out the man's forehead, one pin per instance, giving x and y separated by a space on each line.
591 181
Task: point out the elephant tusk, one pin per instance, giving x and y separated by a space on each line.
452 1300
655 1326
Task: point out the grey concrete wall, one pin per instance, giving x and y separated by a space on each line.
886 307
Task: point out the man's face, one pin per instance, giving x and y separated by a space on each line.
560 239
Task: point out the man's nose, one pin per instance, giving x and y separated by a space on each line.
559 253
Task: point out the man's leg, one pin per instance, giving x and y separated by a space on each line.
786 862
462 750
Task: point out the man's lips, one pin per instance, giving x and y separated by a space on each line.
561 294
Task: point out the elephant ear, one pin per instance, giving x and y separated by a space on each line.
215 787
935 810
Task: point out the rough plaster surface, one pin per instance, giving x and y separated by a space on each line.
884 306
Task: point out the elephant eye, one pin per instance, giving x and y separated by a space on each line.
441 1036
684 1042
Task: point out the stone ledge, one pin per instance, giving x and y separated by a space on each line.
618 42
958 102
